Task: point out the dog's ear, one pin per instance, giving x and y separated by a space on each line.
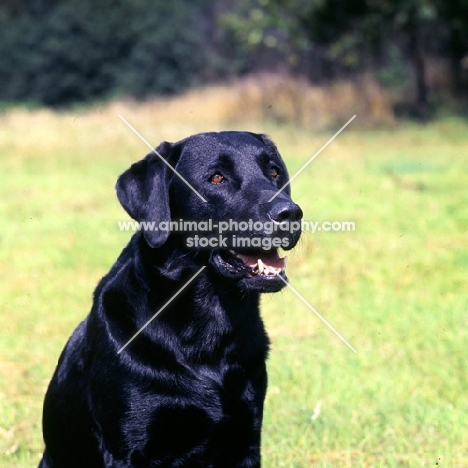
268 142
143 191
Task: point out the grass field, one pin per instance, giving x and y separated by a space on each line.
395 288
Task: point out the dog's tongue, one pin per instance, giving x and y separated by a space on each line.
269 258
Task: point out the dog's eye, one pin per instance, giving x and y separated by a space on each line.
216 178
274 172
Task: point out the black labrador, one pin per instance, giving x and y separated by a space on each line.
188 390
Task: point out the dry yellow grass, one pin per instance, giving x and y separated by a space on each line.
264 99
254 103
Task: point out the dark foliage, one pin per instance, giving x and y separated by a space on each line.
77 50
61 52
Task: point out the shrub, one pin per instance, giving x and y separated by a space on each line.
79 50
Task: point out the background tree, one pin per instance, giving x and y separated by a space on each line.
60 52
63 52
327 39
455 15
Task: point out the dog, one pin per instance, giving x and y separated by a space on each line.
169 367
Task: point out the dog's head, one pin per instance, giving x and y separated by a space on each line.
219 195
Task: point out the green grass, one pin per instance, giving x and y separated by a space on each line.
395 288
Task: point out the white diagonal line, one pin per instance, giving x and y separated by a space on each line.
157 154
312 158
318 315
161 309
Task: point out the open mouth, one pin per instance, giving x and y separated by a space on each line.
265 263
256 269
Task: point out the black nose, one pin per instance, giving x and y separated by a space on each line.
283 211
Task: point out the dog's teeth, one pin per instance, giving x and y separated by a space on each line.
267 270
285 260
261 266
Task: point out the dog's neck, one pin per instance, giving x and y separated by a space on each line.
171 269
205 318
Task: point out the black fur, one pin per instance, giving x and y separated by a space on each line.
189 390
